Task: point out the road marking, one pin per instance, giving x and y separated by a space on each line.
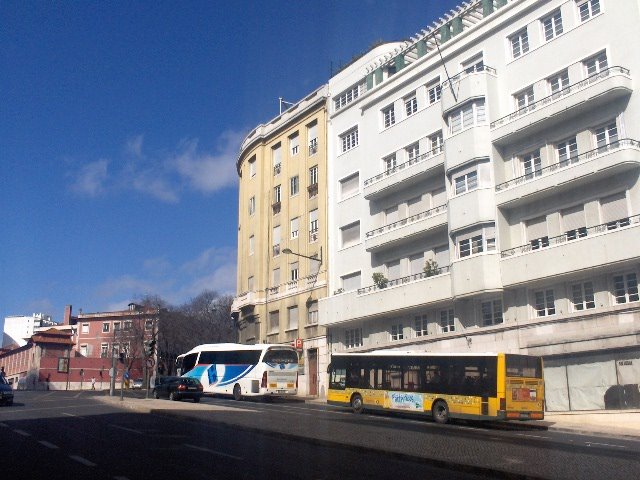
605 445
71 414
81 460
22 432
48 444
532 436
126 429
203 449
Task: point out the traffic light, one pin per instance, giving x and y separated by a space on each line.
121 357
149 348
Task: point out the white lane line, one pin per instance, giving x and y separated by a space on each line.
605 445
126 429
48 444
81 460
532 436
222 454
22 432
71 414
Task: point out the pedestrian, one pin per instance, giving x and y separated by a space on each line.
48 380
93 383
2 372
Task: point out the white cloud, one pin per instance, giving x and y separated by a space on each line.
91 178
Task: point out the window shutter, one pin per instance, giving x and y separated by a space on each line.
442 255
416 263
614 207
276 235
313 132
350 185
439 197
351 282
392 215
573 218
394 270
537 228
350 234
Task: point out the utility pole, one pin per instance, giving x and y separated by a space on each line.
112 385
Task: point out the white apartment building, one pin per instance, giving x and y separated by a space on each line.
20 328
489 171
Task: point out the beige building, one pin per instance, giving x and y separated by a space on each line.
282 234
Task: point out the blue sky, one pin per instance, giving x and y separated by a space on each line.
120 123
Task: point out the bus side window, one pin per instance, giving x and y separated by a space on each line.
338 379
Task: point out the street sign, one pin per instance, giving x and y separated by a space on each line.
126 375
298 344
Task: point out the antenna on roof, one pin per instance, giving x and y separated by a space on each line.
290 104
445 67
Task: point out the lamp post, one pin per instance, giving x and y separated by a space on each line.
288 251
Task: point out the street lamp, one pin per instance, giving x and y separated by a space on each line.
288 251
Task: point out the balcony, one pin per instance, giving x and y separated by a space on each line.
313 190
276 169
589 94
466 86
475 274
582 250
276 206
405 229
399 295
472 208
616 157
404 175
469 144
313 146
294 287
244 301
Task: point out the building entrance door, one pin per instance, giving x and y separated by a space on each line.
313 371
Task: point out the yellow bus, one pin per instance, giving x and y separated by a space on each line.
491 386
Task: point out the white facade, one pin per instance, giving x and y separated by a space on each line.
509 155
20 328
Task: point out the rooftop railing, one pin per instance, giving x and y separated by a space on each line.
402 166
538 172
545 242
404 280
408 220
469 71
560 93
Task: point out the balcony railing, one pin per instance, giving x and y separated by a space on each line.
560 93
277 168
538 172
408 220
313 190
403 280
313 236
402 166
276 250
293 285
276 207
545 242
313 147
471 71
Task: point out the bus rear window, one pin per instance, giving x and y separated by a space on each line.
523 366
280 356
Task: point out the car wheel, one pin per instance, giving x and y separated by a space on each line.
237 392
440 412
196 399
357 404
174 396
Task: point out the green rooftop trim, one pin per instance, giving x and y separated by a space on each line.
378 75
500 3
399 62
456 26
487 7
445 32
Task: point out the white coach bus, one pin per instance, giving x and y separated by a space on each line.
242 370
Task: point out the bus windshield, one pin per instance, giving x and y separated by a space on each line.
523 366
276 355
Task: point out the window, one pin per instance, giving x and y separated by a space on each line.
545 303
470 246
252 242
294 270
312 135
466 182
349 95
350 185
276 240
349 139
411 105
313 225
313 175
148 324
588 9
519 43
492 312
388 116
552 25
277 197
605 136
394 269
105 327
294 227
474 64
467 116
350 234
397 332
351 281
436 143
595 64
274 321
625 288
447 321
524 98
389 163
294 144
434 91
567 151
412 151
573 222
559 81
252 167
252 205
537 232
294 185
276 155
476 240
275 280
85 328
582 296
614 211
84 350
353 338
116 326
292 314
312 313
420 325
104 350
127 325
532 165
391 215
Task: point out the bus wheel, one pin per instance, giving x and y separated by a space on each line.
440 412
237 392
356 403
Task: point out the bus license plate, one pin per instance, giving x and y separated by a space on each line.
281 390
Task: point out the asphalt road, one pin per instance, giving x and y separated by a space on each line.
60 434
